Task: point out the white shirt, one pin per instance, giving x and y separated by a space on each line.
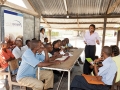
91 39
25 48
107 71
17 52
42 36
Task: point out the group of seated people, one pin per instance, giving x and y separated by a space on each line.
40 54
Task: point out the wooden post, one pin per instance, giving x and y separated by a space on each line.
104 31
118 37
49 35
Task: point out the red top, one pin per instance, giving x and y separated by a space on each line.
5 56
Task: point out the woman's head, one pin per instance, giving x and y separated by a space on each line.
42 30
115 50
55 44
60 43
92 28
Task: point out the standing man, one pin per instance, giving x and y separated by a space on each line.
90 39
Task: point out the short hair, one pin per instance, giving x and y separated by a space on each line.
107 50
45 38
42 29
27 41
47 44
115 50
34 44
92 26
34 39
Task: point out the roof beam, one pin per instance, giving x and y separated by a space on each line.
82 16
112 8
46 22
2 2
80 22
11 5
100 28
65 4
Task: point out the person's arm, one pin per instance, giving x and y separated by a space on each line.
46 55
44 64
98 39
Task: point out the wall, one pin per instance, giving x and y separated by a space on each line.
28 25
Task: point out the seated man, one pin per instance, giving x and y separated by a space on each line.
116 58
106 74
5 56
45 40
18 50
26 75
27 42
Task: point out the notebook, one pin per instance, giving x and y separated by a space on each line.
62 58
92 79
90 60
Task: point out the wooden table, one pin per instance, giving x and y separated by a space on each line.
67 65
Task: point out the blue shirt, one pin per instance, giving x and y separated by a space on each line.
107 71
28 65
40 57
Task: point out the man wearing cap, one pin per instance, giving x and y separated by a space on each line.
18 50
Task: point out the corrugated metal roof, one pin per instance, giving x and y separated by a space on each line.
49 7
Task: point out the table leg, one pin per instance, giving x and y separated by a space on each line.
60 81
68 80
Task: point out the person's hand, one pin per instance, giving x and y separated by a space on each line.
99 78
57 62
91 66
66 54
59 56
97 41
85 42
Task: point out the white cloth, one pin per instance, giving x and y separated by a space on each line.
107 71
25 47
18 52
91 39
42 36
50 55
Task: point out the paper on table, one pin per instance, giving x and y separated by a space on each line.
62 58
70 54
62 53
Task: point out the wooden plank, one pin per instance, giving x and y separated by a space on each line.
80 22
81 16
57 28
115 4
118 37
14 6
104 31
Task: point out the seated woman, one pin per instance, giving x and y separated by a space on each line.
5 56
116 58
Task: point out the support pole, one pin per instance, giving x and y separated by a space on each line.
49 35
104 31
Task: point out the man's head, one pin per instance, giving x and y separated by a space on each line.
49 47
46 39
106 51
67 40
28 43
18 43
115 50
35 45
4 45
63 42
